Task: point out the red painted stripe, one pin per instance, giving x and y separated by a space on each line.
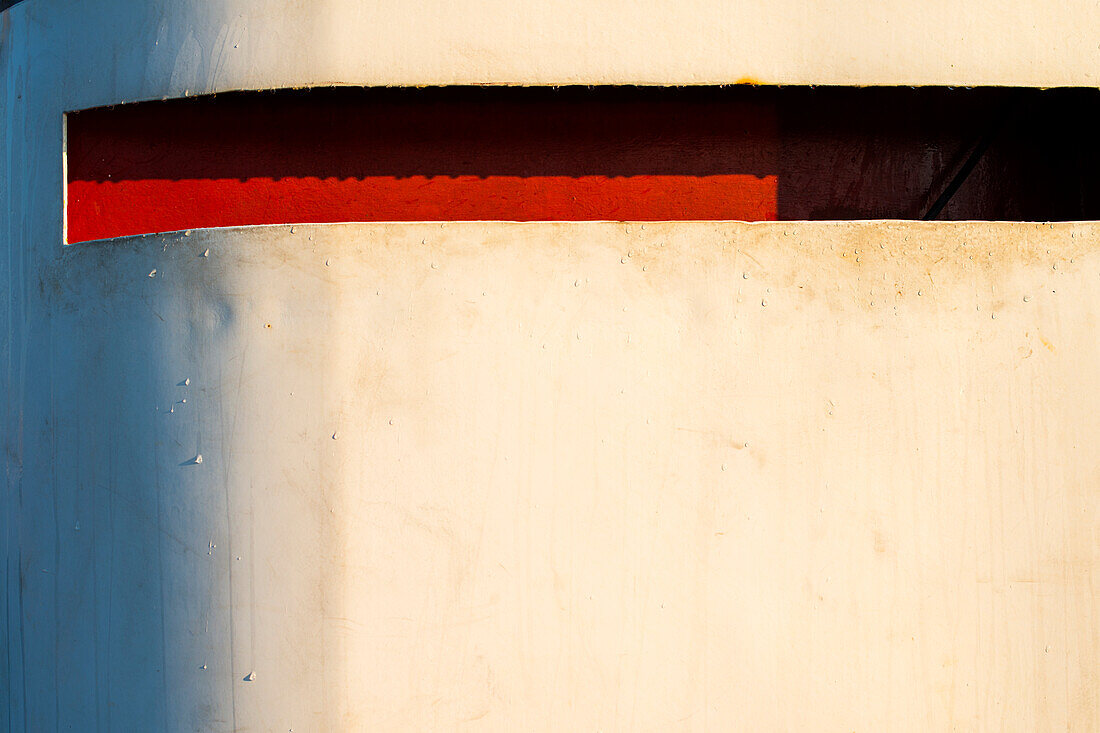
98 210
418 155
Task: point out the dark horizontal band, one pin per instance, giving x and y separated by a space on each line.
605 153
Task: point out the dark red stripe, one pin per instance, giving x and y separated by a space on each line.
99 210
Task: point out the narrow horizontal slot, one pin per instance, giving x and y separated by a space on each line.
604 153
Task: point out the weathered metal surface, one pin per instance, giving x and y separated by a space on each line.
564 476
174 47
439 521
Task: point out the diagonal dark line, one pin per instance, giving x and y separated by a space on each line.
972 161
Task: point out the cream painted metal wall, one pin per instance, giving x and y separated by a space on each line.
575 477
116 50
541 476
